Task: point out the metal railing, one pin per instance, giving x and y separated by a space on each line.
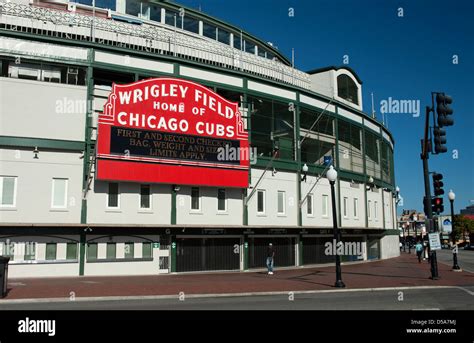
157 39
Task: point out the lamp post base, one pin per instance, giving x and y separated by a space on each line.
339 284
458 269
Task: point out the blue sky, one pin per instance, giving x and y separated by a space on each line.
404 58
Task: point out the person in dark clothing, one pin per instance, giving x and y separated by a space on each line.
270 256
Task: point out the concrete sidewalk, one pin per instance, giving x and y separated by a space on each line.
403 271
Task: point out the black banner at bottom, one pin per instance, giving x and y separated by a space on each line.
337 326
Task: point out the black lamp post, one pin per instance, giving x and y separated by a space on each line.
332 176
409 240
456 267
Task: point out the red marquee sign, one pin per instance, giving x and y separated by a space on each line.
171 131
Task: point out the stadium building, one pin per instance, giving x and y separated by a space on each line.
141 137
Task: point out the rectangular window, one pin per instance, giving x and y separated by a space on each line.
309 204
209 30
356 207
155 13
129 250
281 202
59 193
8 249
261 52
375 210
221 200
191 24
146 250
325 205
344 207
110 4
260 201
111 250
249 47
237 41
171 16
113 195
30 251
92 251
223 36
8 191
369 203
51 251
145 197
195 199
71 251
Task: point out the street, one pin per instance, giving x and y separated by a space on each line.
451 298
465 258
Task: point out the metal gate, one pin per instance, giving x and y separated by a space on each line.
207 253
314 250
284 251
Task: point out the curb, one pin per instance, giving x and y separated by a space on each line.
219 295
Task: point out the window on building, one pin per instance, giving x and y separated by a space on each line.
238 41
249 47
92 251
260 201
129 250
133 7
30 251
191 24
209 30
350 146
155 13
51 249
347 89
356 208
113 199
375 210
221 200
111 252
59 193
281 202
8 191
195 199
369 204
325 205
372 153
345 202
108 4
309 204
146 250
71 251
262 52
223 36
145 197
8 249
174 19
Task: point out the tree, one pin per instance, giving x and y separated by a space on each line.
462 226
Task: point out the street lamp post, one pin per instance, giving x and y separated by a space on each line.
332 176
409 240
456 267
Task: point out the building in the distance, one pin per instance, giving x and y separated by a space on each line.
141 189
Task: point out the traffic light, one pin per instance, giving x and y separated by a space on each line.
438 184
440 140
437 205
443 110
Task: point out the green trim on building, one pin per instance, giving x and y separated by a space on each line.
173 254
41 143
246 252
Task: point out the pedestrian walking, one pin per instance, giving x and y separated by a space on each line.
419 250
270 257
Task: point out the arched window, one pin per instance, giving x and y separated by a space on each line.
347 89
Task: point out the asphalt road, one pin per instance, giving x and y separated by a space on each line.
465 258
411 299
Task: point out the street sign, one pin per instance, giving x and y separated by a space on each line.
156 245
435 243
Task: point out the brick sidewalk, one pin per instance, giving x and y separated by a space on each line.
403 271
